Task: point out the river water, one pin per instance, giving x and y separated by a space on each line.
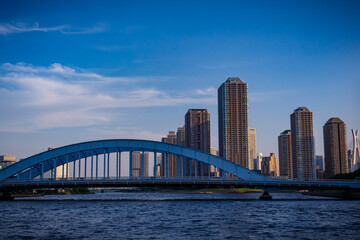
179 216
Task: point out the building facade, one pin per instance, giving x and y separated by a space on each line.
252 145
319 162
335 147
168 165
233 110
137 166
197 136
269 166
180 136
7 160
257 165
285 157
303 144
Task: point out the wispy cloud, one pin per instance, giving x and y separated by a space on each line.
207 91
10 28
37 97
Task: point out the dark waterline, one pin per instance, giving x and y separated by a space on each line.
179 216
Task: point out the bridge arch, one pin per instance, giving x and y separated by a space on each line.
38 164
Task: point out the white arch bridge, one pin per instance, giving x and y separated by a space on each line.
92 162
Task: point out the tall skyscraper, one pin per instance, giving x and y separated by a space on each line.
233 105
285 158
269 166
303 144
137 167
168 166
252 138
335 147
197 136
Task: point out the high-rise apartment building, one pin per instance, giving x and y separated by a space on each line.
335 147
137 166
168 165
269 166
197 136
252 145
233 109
303 144
285 157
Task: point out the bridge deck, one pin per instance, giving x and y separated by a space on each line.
175 182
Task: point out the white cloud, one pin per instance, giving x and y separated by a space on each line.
36 97
208 91
10 28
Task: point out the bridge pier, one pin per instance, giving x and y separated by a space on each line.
265 196
6 196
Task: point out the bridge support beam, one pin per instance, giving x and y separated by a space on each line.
6 196
265 196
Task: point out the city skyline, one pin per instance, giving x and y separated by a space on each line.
65 78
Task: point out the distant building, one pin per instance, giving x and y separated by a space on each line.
257 165
180 136
320 174
269 166
355 163
137 167
303 144
233 106
319 162
214 151
168 159
285 157
335 147
7 160
213 170
197 136
252 139
350 158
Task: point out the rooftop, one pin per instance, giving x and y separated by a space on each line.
234 80
302 109
334 120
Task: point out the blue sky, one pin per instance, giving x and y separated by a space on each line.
74 71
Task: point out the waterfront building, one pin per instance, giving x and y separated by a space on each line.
252 145
169 163
197 136
269 166
233 110
285 157
7 160
137 166
303 144
335 147
319 162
